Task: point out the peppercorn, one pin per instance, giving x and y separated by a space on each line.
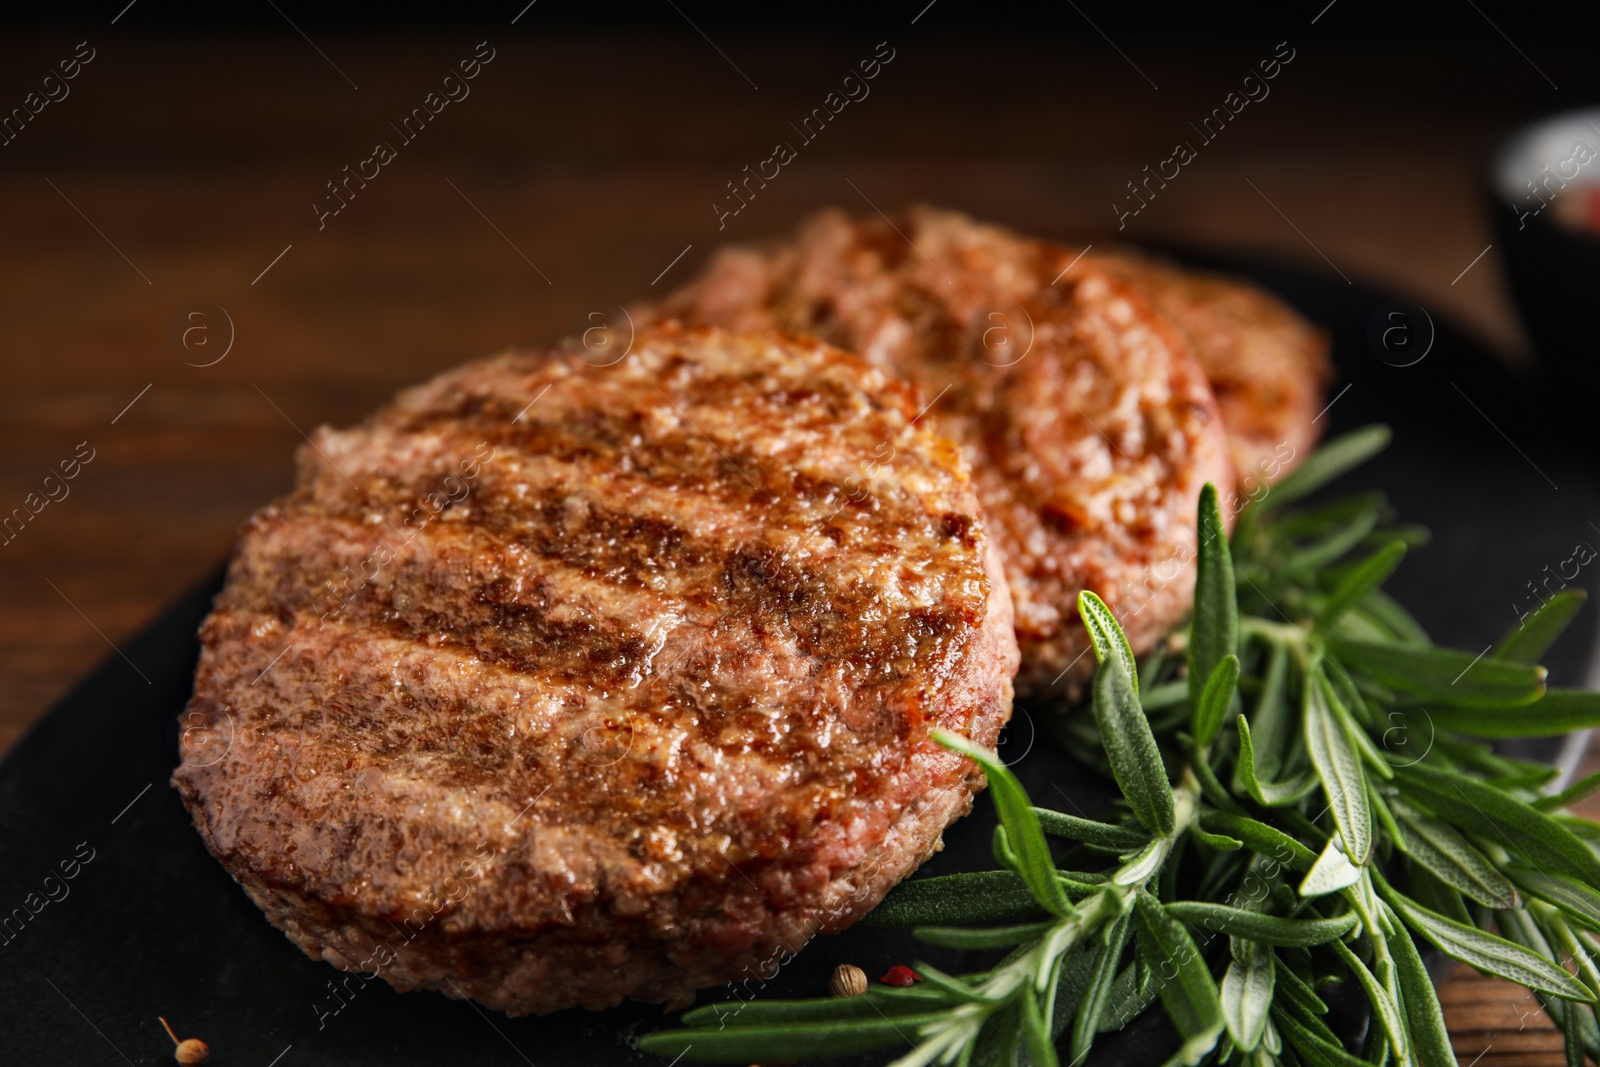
900 975
848 981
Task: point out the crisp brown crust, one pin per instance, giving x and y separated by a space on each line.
1268 367
551 684
1089 426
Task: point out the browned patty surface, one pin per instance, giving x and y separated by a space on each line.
551 684
1268 367
1089 426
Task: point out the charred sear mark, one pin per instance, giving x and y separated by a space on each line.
851 624
600 543
615 444
960 528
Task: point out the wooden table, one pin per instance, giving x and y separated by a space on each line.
179 178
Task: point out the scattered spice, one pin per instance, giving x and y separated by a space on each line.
848 981
191 1051
900 975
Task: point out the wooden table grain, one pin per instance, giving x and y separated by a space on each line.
179 179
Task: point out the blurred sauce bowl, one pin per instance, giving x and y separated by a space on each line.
1545 182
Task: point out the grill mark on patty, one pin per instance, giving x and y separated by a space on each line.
456 743
556 455
614 543
533 622
623 435
424 604
845 623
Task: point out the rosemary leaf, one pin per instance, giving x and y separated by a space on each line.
1215 699
1214 631
1109 642
1338 764
1518 925
1130 997
1036 1034
987 937
1530 638
1488 953
1424 1017
1453 859
1332 872
956 899
1211 787
1021 824
1246 992
1073 978
1261 839
1427 889
1090 832
1371 573
1335 457
1383 1005
956 989
1570 795
1444 674
1314 1047
1135 760
877 1002
1483 810
1184 982
1355 717
1378 799
1308 562
1297 991
1097 996
1266 929
1267 794
747 1044
1406 630
1559 711
1571 896
1005 1040
1216 842
1271 723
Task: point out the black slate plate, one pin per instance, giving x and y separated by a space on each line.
150 925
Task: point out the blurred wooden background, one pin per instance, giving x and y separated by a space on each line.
180 173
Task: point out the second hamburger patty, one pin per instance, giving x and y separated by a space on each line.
1267 366
552 684
1089 426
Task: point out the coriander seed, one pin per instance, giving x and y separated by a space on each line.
191 1051
848 981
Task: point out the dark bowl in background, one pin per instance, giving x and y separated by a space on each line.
1552 266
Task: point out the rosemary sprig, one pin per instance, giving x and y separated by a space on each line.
1332 811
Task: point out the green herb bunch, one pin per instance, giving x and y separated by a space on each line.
1306 803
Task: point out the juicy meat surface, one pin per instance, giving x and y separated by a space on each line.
1089 426
1268 367
554 683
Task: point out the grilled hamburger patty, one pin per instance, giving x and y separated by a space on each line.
553 684
1267 366
1089 426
